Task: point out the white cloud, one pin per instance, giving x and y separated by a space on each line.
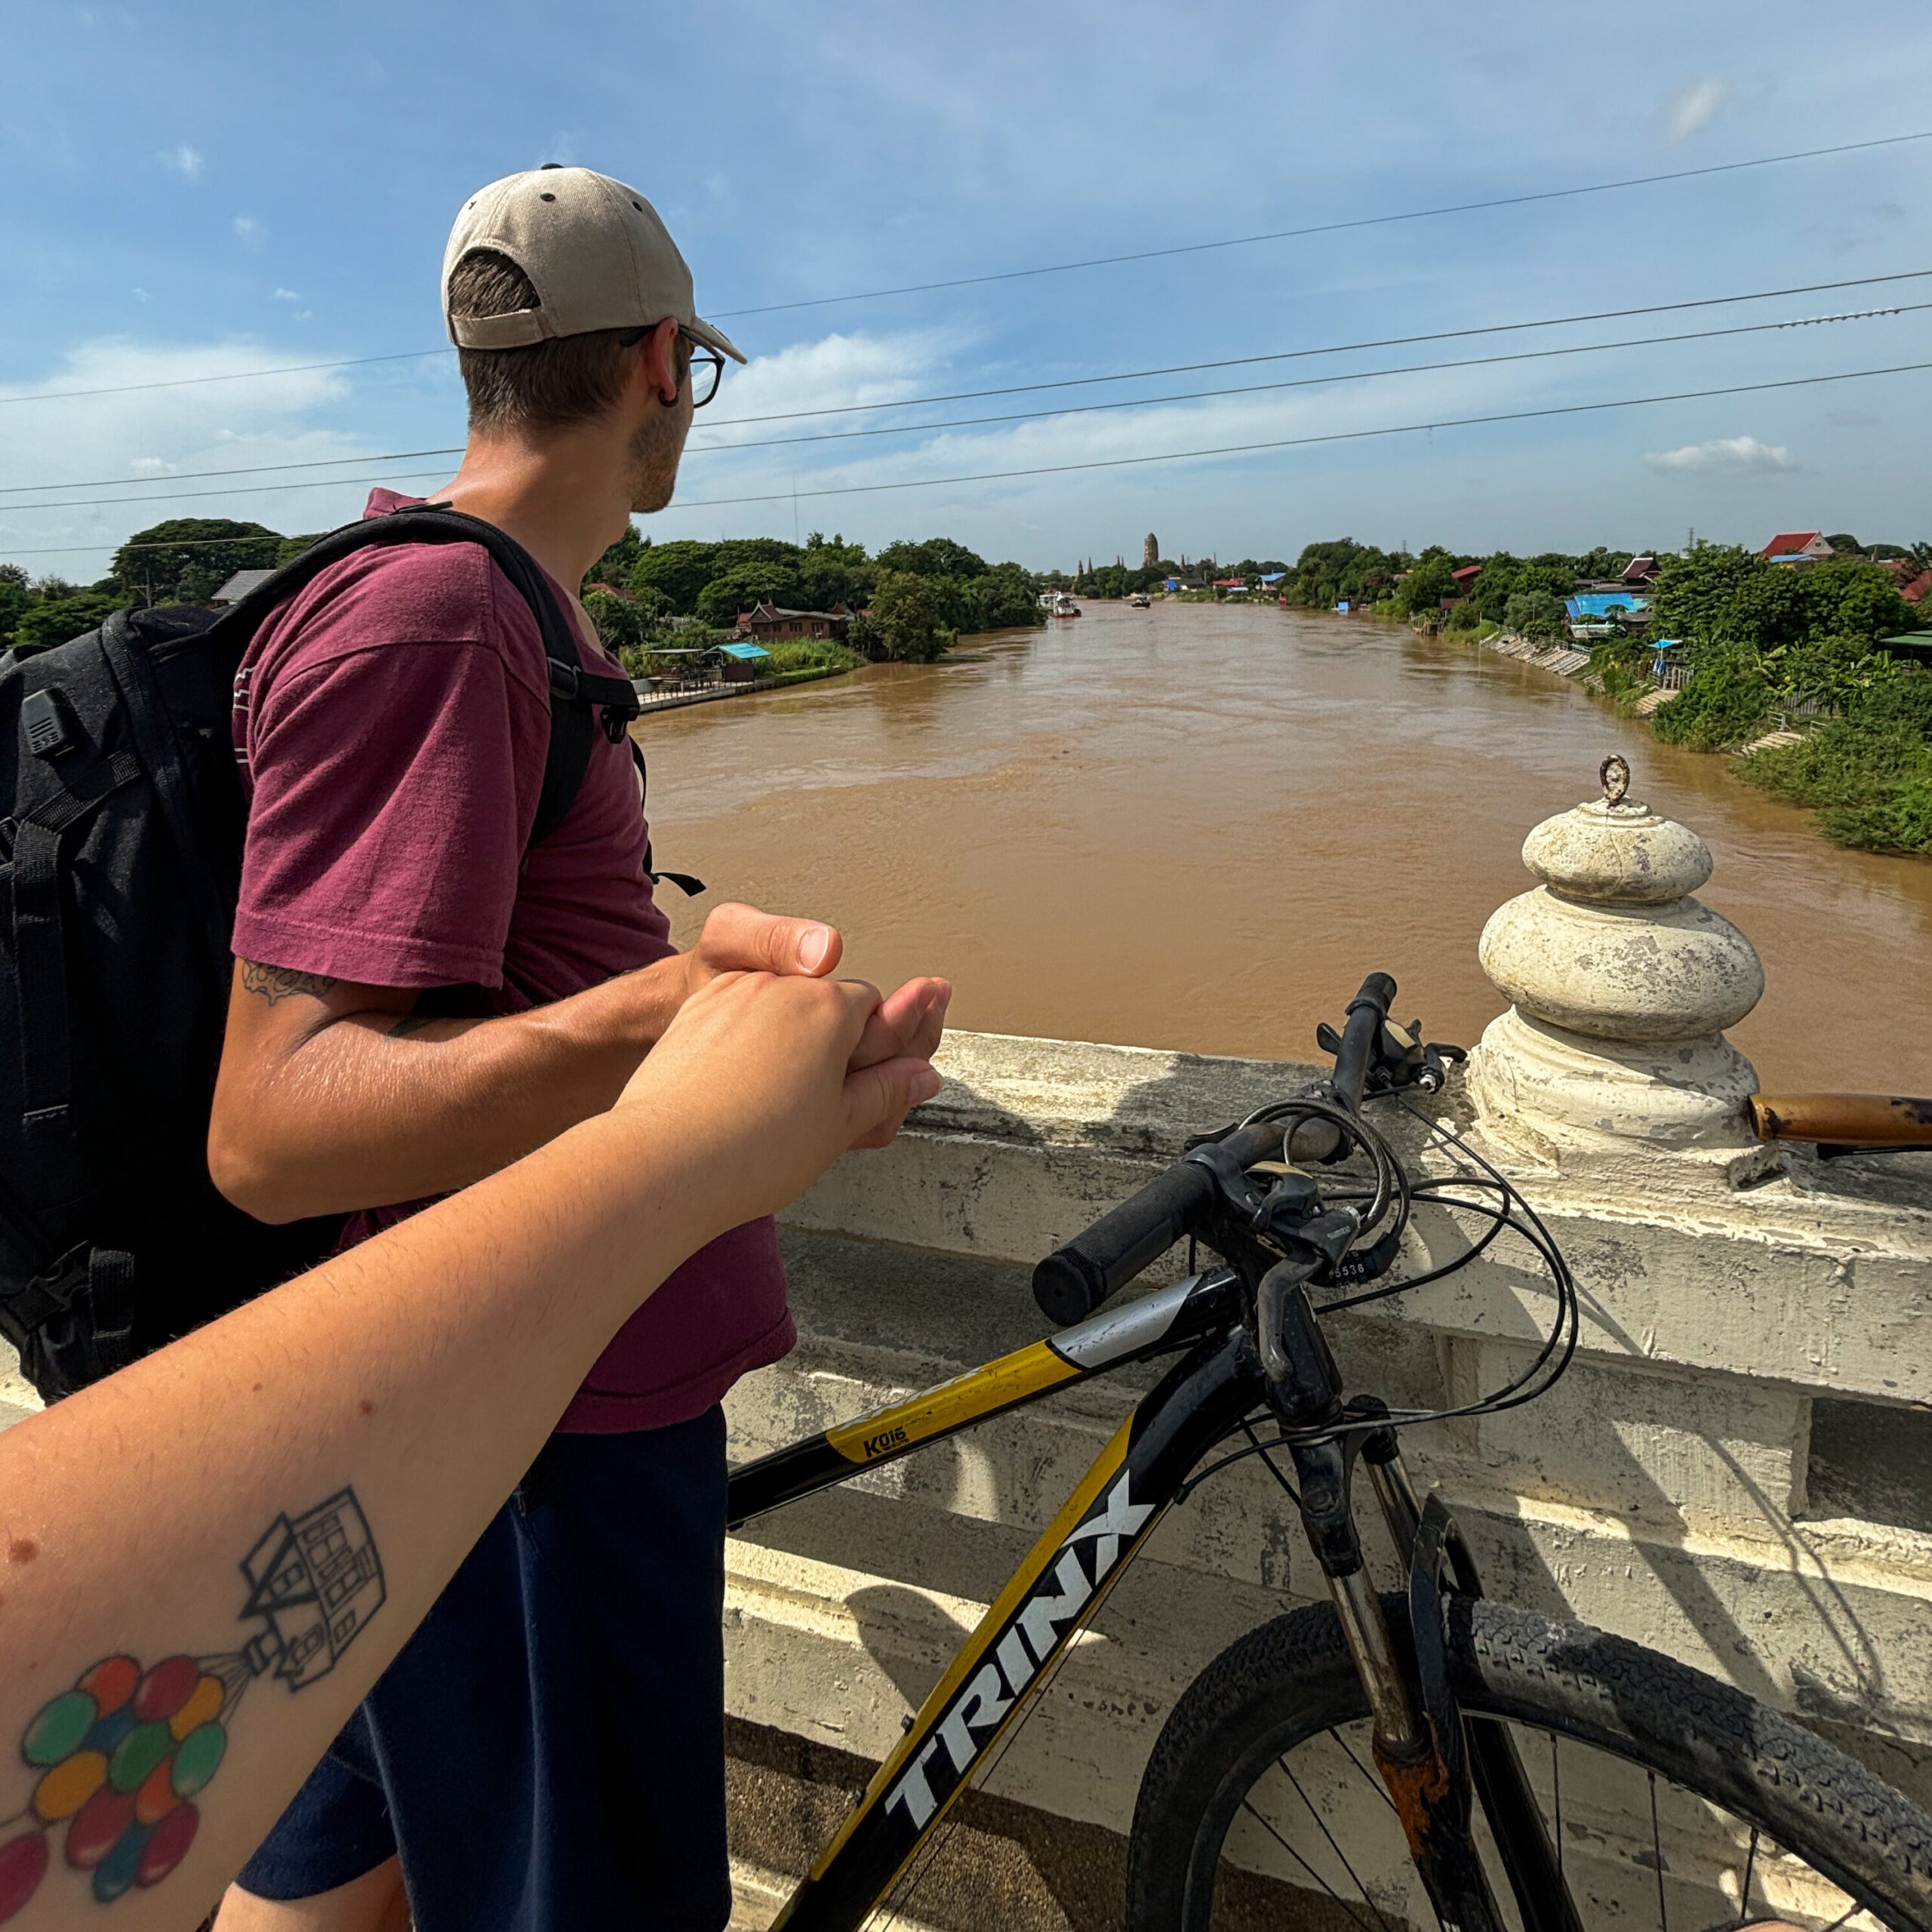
139 294
286 295
1693 105
1723 456
249 231
185 161
265 420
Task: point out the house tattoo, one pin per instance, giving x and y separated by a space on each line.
118 1761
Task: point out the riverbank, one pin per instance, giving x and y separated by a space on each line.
1866 773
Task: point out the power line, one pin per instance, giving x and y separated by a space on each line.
1064 268
198 475
1330 227
1299 382
1298 442
1017 415
1030 388
1170 456
1334 349
230 375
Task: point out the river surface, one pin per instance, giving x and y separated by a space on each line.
1198 826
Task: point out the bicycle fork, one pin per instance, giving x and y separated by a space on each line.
1427 1757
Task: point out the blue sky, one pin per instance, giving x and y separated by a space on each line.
203 189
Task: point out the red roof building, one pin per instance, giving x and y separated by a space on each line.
1806 546
1466 576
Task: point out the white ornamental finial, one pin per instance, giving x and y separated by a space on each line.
1620 985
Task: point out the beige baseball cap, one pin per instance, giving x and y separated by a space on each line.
594 250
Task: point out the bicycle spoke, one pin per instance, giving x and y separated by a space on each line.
1381 1789
1247 1805
1321 1827
1556 1800
1657 1848
1750 1861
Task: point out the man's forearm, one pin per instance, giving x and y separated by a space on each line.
370 1108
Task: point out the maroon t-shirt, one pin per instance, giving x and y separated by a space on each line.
392 723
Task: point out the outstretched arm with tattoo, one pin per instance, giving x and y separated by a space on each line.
207 1560
335 1096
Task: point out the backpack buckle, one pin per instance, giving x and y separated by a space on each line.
52 1292
43 721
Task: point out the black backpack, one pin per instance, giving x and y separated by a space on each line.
121 863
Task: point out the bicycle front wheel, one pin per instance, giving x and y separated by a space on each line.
1672 1800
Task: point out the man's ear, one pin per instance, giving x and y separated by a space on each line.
658 353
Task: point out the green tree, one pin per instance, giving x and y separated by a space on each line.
185 559
292 547
833 571
14 598
1854 599
615 566
1727 699
43 625
621 622
1696 590
906 620
1006 598
677 572
1534 614
938 556
747 584
1423 589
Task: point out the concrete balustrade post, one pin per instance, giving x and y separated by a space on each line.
1620 984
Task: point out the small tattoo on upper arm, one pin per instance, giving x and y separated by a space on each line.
410 1022
118 1761
275 983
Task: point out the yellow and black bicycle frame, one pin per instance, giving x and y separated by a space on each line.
1068 1573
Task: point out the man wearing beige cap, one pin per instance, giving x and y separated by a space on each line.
443 959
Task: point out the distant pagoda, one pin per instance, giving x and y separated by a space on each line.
1150 552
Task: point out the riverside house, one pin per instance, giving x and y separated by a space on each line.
767 621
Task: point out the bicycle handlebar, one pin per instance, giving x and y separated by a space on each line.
1845 1119
1077 1276
1073 1281
1367 1012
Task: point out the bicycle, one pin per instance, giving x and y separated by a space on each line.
1436 1735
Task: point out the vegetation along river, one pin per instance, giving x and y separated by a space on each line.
1198 826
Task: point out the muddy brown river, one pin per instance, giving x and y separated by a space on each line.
1198 826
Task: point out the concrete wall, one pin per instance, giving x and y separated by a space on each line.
1660 1491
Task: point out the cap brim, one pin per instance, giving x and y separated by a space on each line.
715 338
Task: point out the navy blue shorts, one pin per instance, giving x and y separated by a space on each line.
547 1751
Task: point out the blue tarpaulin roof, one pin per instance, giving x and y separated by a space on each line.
1597 604
744 651
1272 576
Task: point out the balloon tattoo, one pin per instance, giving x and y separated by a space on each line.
118 1761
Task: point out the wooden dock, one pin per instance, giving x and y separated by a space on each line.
649 701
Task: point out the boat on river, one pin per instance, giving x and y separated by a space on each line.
1140 600
1063 606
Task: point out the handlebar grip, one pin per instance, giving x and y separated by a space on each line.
1074 1280
1368 1012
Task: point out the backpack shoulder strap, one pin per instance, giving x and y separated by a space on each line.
575 693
